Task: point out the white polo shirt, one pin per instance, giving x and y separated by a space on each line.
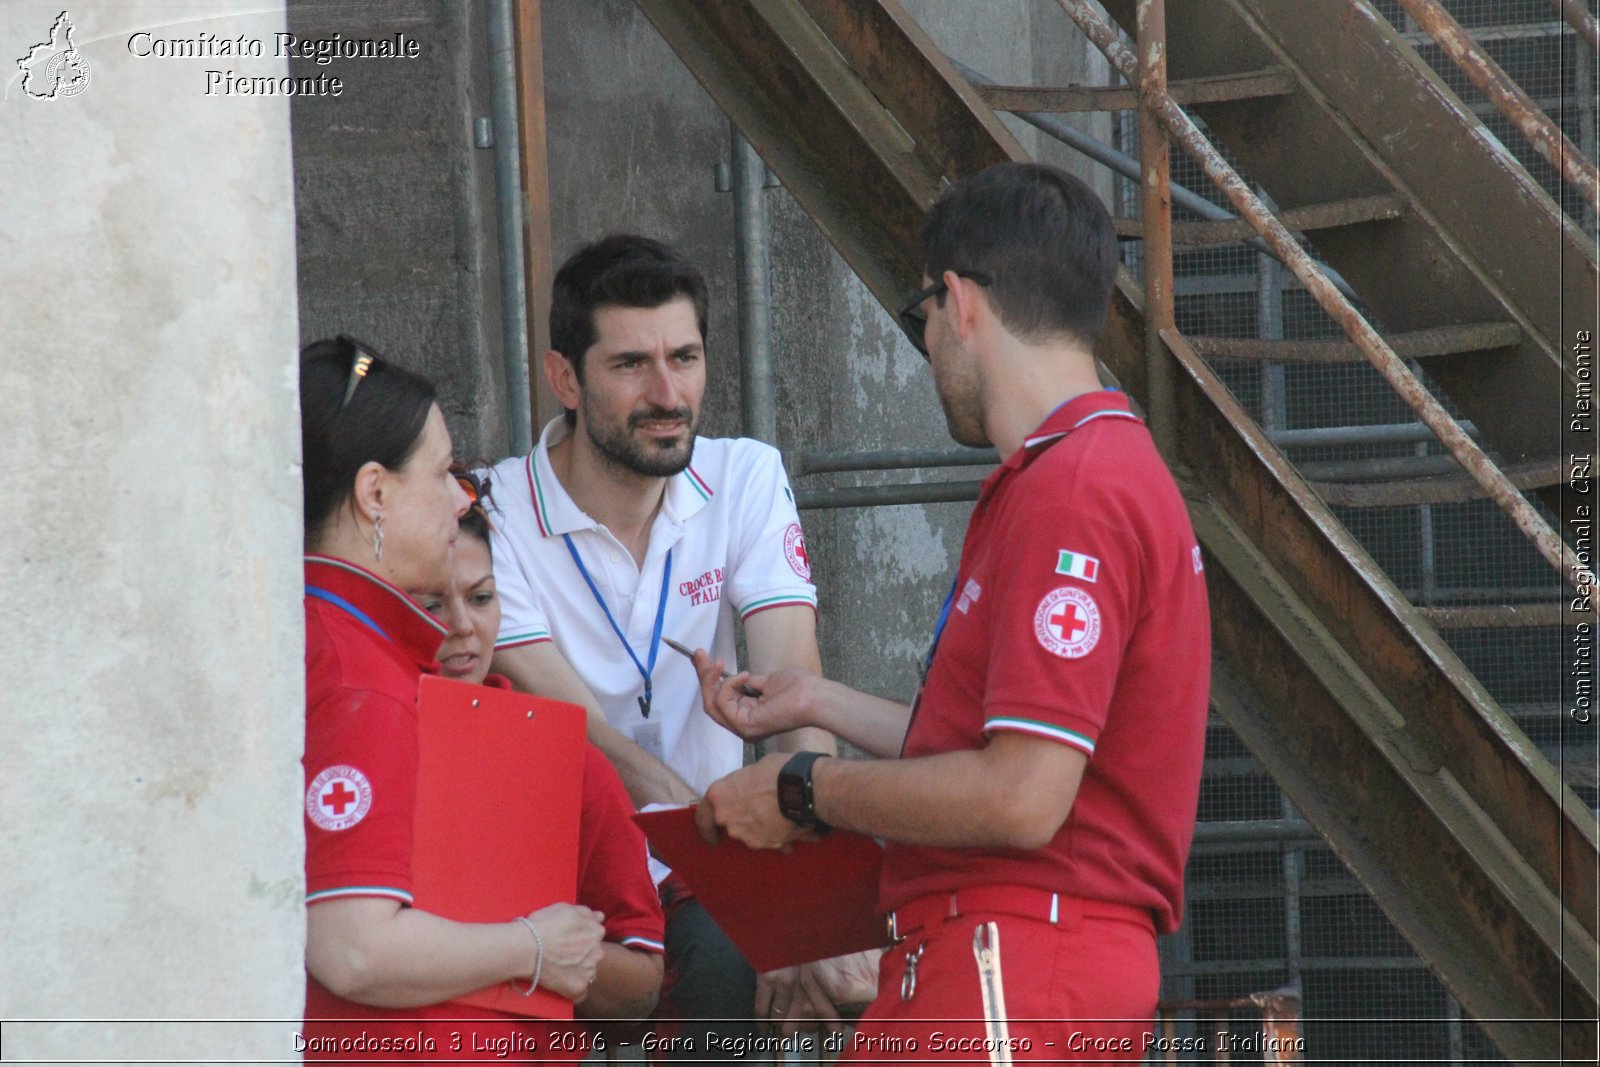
730 524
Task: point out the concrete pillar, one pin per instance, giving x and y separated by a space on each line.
151 850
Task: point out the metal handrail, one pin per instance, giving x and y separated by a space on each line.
1579 18
1473 459
1492 81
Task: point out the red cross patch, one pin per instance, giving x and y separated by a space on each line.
794 547
1067 623
338 798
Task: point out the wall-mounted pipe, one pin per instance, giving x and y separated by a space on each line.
508 226
758 386
893 459
865 496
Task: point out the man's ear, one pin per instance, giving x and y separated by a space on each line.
563 379
967 303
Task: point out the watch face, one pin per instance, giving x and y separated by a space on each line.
791 797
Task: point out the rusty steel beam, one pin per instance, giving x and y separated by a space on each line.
1394 370
1380 737
1464 831
1419 344
1580 18
1155 207
1492 81
1250 85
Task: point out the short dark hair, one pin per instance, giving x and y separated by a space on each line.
382 422
1044 239
622 270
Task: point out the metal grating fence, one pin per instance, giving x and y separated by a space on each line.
1270 905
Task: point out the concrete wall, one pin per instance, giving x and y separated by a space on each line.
395 206
150 842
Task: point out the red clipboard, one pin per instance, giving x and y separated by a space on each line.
817 901
499 783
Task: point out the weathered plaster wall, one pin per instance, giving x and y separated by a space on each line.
150 841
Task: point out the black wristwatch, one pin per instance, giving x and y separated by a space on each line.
795 798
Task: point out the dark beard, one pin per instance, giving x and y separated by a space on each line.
627 452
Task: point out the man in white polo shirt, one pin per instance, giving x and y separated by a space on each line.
623 528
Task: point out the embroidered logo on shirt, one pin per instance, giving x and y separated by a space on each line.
969 596
1067 623
1078 565
1198 566
338 798
794 547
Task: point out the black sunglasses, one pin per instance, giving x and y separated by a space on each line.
912 319
361 361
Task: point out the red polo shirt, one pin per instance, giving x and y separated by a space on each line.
367 646
1079 616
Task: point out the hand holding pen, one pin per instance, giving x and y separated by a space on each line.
754 707
746 689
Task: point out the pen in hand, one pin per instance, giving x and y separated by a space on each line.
746 689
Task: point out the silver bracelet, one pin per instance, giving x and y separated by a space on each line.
538 963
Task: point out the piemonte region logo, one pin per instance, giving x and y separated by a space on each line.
55 69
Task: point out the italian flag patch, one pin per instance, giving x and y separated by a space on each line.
1078 565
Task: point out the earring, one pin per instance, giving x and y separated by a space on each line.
377 537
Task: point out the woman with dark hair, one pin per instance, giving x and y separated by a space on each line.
381 511
613 875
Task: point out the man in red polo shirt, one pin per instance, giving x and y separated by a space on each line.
1038 797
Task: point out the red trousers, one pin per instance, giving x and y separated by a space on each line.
1080 988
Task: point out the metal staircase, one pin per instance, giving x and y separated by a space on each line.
1340 686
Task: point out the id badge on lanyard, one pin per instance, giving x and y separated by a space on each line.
647 735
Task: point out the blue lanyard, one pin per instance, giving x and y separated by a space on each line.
938 627
645 670
345 605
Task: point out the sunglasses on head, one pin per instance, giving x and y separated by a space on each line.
361 360
915 322
477 489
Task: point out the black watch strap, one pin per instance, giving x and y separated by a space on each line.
795 797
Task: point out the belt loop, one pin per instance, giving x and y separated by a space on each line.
953 908
1055 908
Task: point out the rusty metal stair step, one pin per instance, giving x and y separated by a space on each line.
1417 344
1248 85
1308 219
1439 489
1503 616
